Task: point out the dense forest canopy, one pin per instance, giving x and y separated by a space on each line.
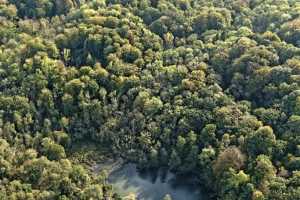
203 87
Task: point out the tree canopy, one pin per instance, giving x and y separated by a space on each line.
203 87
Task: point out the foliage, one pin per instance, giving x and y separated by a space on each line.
208 87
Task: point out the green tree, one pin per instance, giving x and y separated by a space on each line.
261 141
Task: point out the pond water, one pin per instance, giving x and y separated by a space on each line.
127 180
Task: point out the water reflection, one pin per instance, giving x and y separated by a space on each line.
152 185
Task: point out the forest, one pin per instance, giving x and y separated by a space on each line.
209 88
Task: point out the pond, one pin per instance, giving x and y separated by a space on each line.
126 180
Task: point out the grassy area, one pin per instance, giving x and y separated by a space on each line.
88 153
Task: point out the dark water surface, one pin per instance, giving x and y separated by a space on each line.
152 185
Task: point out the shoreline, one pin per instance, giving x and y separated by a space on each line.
109 165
